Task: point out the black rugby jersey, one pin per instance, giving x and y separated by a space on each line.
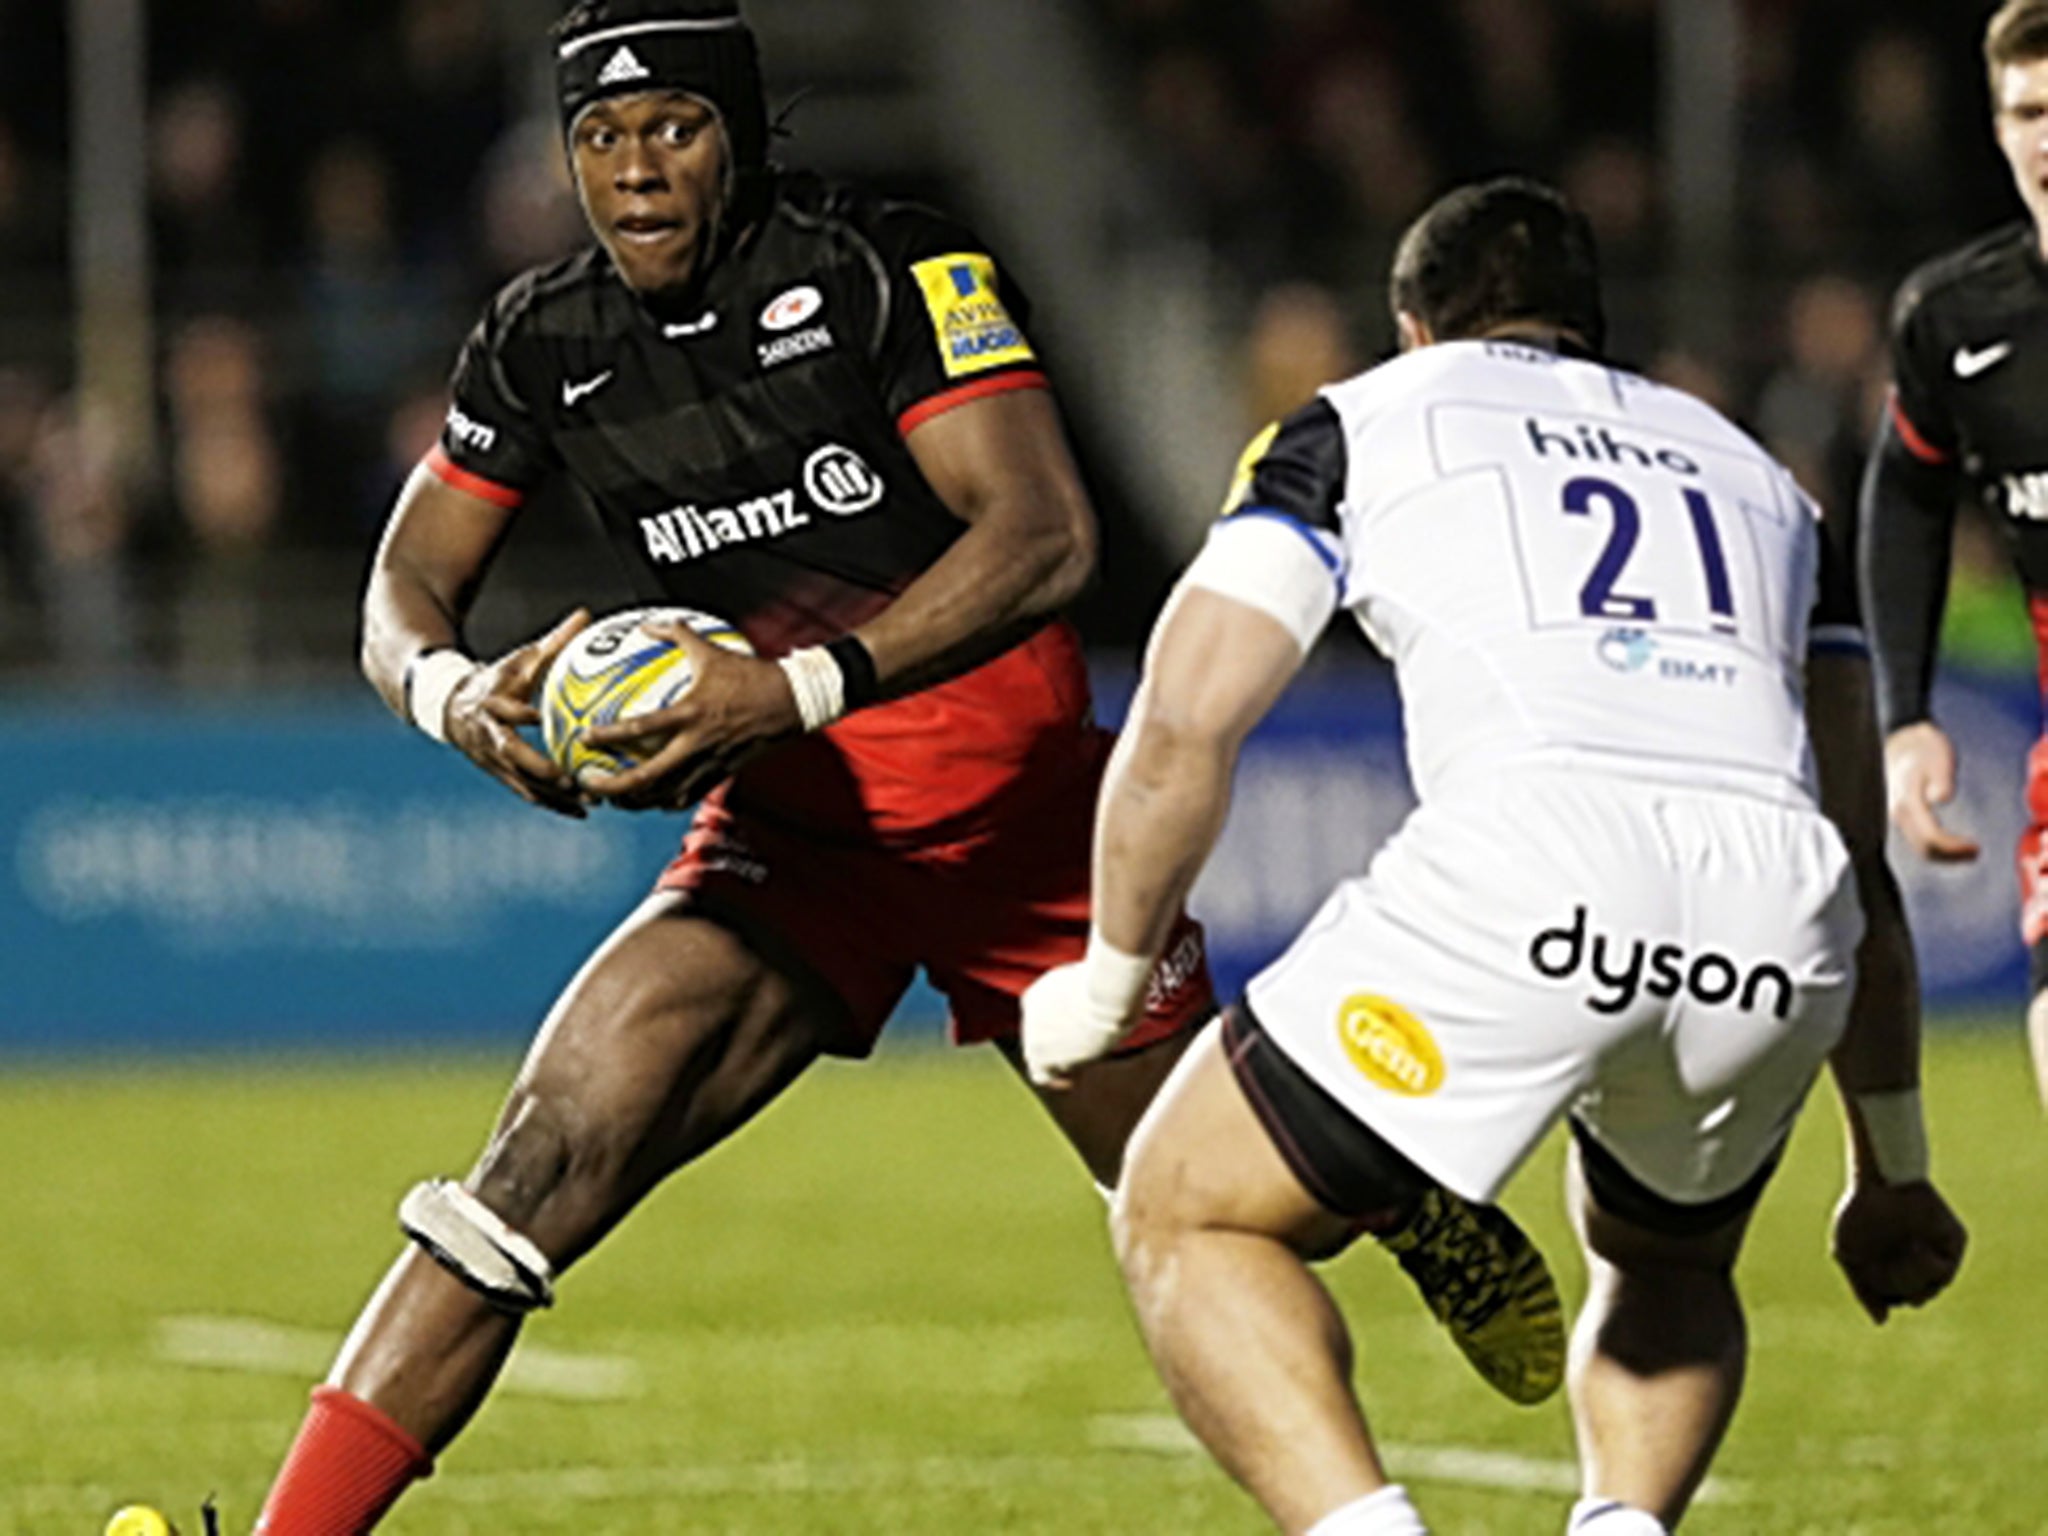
749 460
1968 413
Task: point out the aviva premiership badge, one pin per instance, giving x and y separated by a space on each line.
975 331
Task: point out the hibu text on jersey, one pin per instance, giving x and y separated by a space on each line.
1588 442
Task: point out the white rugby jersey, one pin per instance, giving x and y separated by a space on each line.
1561 559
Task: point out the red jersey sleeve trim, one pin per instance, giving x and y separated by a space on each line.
449 472
1910 435
966 394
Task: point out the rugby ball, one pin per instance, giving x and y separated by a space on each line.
615 670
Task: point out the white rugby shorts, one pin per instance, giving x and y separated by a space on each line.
1670 965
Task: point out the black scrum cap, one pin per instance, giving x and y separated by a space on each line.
701 47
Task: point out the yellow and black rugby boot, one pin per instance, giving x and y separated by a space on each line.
1488 1285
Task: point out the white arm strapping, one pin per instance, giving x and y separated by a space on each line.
817 684
431 682
1076 1013
1282 568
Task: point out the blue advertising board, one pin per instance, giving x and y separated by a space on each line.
318 876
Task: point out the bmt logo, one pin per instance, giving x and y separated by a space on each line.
1617 969
1680 670
839 481
1626 649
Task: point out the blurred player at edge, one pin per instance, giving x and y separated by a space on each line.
819 415
1619 899
1968 412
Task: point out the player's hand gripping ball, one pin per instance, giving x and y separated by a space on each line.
615 670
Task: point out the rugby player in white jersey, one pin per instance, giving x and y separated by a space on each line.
1644 889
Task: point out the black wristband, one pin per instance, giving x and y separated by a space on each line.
857 667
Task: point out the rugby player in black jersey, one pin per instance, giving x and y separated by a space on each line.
817 415
1968 414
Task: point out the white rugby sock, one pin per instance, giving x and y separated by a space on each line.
1611 1517
1386 1513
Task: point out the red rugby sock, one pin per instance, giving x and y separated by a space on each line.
347 1467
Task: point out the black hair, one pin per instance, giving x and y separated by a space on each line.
1496 253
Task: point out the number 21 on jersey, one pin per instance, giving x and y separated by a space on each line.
1600 598
1649 534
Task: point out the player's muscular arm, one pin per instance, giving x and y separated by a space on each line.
1906 523
436 548
1895 1237
1215 668
1880 1049
1002 465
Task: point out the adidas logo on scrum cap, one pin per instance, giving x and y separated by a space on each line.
623 65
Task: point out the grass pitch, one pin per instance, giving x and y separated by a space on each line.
889 1308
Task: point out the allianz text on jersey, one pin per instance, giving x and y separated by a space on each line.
836 480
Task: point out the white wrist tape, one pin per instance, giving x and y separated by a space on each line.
430 682
1076 1013
1116 979
818 685
1897 1132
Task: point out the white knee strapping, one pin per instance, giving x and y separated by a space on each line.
1610 1517
471 1242
1386 1513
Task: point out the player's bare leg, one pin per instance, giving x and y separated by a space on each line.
1211 1226
2037 1042
1098 1113
1657 1355
673 1035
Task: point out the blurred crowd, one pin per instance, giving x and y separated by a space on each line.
336 185
335 188
1303 135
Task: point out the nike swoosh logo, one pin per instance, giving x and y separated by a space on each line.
571 393
1969 364
692 328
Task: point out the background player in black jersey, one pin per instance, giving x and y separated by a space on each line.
818 415
1968 414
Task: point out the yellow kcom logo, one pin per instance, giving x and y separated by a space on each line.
1390 1046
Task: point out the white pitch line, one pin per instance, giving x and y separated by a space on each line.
1467 1466
786 1478
272 1349
248 1344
